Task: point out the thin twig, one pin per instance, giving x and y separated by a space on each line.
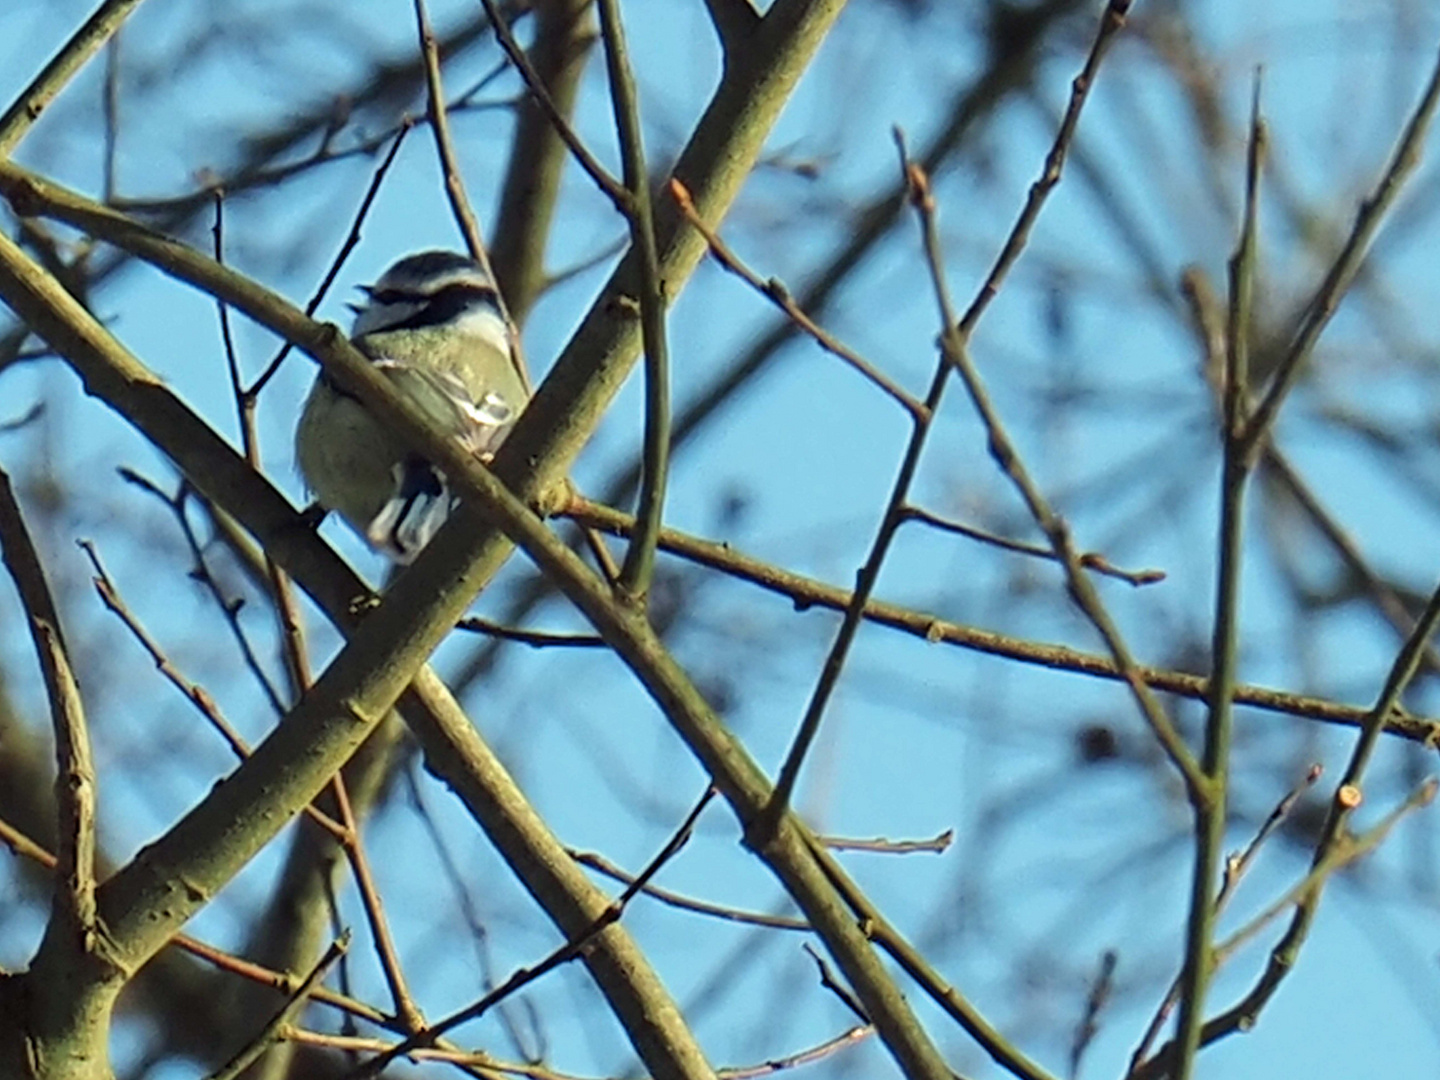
229 608
196 694
806 593
475 1062
440 127
532 1071
957 355
804 1057
271 1033
389 956
955 336
287 611
836 987
775 291
465 217
1090 560
191 201
1342 854
110 115
1242 1015
936 845
564 31
865 581
569 951
540 639
1096 1000
1343 270
352 239
604 561
603 180
602 865
1111 23
1235 867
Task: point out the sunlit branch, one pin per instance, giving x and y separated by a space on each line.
74 928
806 593
63 66
1211 803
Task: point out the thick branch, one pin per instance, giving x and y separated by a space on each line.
85 43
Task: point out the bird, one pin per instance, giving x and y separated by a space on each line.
433 324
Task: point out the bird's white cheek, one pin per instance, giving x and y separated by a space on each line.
378 316
486 325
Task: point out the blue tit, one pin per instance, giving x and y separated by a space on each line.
432 324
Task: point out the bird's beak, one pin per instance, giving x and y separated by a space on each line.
355 309
368 290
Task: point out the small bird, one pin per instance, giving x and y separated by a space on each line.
432 324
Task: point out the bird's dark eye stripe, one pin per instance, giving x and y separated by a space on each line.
439 307
456 292
467 292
